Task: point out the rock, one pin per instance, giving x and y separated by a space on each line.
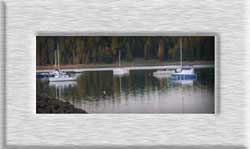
53 105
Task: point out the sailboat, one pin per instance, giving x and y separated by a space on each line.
184 72
57 75
162 73
120 70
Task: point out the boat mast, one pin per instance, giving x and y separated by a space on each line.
58 56
181 51
119 58
55 58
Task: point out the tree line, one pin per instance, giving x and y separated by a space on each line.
105 49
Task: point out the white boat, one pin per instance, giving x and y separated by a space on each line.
56 72
163 73
184 72
61 78
120 71
57 75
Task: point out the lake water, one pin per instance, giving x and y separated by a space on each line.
139 92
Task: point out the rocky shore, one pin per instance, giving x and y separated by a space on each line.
53 105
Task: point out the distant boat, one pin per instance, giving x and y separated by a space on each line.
57 75
163 73
60 76
166 73
184 72
120 71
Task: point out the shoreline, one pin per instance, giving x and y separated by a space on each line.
82 66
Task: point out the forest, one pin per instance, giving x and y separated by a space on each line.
105 49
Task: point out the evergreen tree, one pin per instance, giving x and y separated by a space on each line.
161 50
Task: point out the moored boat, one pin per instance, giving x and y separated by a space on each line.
61 78
120 71
163 73
57 75
184 72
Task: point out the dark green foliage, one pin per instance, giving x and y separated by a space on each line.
104 49
161 49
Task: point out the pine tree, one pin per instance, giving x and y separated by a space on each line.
161 50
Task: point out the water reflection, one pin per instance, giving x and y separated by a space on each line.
138 92
65 84
183 82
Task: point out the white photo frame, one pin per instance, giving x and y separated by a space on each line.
25 20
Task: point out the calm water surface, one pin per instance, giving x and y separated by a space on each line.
139 92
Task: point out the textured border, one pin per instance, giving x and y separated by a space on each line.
226 128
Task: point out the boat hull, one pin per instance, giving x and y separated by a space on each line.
175 77
52 79
120 71
42 76
162 73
